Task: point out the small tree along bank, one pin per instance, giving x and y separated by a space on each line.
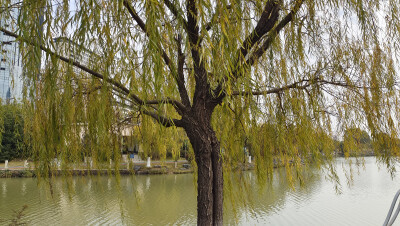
278 76
12 137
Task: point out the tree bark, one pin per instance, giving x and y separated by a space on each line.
210 175
218 184
205 197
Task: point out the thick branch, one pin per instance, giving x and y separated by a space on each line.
163 120
267 21
193 33
202 88
136 17
273 33
200 75
193 28
180 78
268 18
177 105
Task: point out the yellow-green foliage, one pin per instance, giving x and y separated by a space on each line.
332 67
156 141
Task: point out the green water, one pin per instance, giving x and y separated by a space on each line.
171 200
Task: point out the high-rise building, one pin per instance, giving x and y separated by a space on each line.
11 68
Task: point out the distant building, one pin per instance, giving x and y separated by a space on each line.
11 67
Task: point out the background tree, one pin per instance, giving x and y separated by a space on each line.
217 69
12 139
355 140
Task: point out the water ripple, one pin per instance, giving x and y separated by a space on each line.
171 200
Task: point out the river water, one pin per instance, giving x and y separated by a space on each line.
171 200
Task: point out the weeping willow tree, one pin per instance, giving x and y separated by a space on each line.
279 77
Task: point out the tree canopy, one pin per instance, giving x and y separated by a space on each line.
12 129
279 76
355 140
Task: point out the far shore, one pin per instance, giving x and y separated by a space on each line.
156 170
15 173
16 169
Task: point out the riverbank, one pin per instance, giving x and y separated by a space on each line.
137 169
19 169
363 153
85 172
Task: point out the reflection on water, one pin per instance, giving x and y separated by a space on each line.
171 199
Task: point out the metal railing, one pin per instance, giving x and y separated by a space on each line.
389 216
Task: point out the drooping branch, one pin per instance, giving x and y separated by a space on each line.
75 63
210 24
176 13
142 26
177 73
295 85
119 87
94 89
341 99
12 6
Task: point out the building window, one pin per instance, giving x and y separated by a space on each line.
6 43
4 51
2 68
3 60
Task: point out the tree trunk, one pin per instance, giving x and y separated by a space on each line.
210 175
218 185
205 197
